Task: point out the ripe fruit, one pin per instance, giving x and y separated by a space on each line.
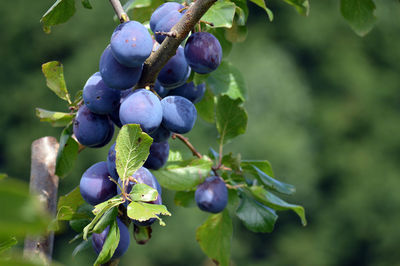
179 114
115 75
190 91
158 155
175 72
131 44
98 97
143 175
141 107
124 240
203 52
165 24
161 91
111 167
91 129
95 186
162 11
212 195
161 134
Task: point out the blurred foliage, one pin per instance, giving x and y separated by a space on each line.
323 109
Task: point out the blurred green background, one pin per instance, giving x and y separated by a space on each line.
323 109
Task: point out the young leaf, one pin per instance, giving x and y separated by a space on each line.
110 244
86 4
261 3
274 184
359 14
144 211
67 153
7 244
56 119
263 165
143 192
255 216
61 11
184 175
132 149
85 244
206 107
273 201
108 218
231 118
220 14
302 6
227 80
215 237
54 73
184 199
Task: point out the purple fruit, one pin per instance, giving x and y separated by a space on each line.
158 155
91 129
179 114
131 44
108 138
203 52
141 107
212 195
161 134
161 91
95 186
175 72
124 240
115 75
162 11
190 91
111 167
165 24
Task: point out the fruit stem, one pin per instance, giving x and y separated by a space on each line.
188 144
122 16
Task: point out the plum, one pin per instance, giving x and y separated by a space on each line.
190 91
161 91
112 170
175 72
212 195
162 11
95 186
165 24
141 107
203 52
161 134
179 114
158 155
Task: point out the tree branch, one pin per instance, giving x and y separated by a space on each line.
188 144
122 16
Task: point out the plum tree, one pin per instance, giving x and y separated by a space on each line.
212 195
178 114
158 155
175 72
95 186
190 91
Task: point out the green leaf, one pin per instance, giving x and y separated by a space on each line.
110 244
263 165
174 156
231 118
215 237
231 161
84 245
56 119
7 244
272 183
67 153
60 12
261 3
227 80
220 14
143 192
68 205
184 199
359 14
141 10
236 33
108 217
206 107
131 4
86 4
54 73
273 201
132 149
184 175
144 211
242 11
255 216
199 78
302 6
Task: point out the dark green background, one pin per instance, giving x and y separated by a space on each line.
323 108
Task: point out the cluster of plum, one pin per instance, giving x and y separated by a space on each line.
109 98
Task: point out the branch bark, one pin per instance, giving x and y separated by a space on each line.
122 16
43 182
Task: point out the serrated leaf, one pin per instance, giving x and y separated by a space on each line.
67 153
359 14
85 244
56 119
215 237
132 149
206 107
274 184
7 244
220 14
273 201
110 244
302 6
263 165
108 218
60 12
231 118
86 4
184 175
255 216
54 73
261 3
144 211
143 192
184 199
227 80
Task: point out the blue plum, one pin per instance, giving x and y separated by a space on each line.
111 167
161 134
161 91
165 24
179 114
131 44
162 11
124 240
158 155
212 195
141 107
108 138
115 75
95 186
175 72
203 52
190 91
91 129
98 97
